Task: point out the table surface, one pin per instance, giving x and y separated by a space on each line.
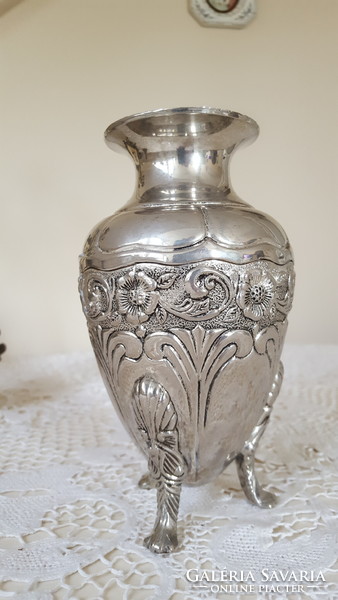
72 518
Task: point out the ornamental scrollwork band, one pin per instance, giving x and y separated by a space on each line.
147 296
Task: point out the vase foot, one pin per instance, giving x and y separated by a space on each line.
162 540
156 420
246 458
146 482
251 488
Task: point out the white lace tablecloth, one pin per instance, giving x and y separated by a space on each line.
72 518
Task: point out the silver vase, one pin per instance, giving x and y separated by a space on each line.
186 291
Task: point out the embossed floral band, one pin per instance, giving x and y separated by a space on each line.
186 291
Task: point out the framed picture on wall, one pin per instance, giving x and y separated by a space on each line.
223 13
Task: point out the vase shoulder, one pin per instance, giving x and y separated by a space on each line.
185 233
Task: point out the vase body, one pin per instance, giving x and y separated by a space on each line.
186 292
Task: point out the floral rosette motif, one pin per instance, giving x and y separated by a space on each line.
136 297
256 295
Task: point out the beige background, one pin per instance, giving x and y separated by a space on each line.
70 67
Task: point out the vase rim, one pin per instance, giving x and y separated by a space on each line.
138 125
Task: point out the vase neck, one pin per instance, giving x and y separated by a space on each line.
182 154
182 174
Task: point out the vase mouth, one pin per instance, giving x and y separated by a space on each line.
202 126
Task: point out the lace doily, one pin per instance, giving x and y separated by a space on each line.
72 518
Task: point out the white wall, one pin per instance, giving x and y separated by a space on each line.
70 67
